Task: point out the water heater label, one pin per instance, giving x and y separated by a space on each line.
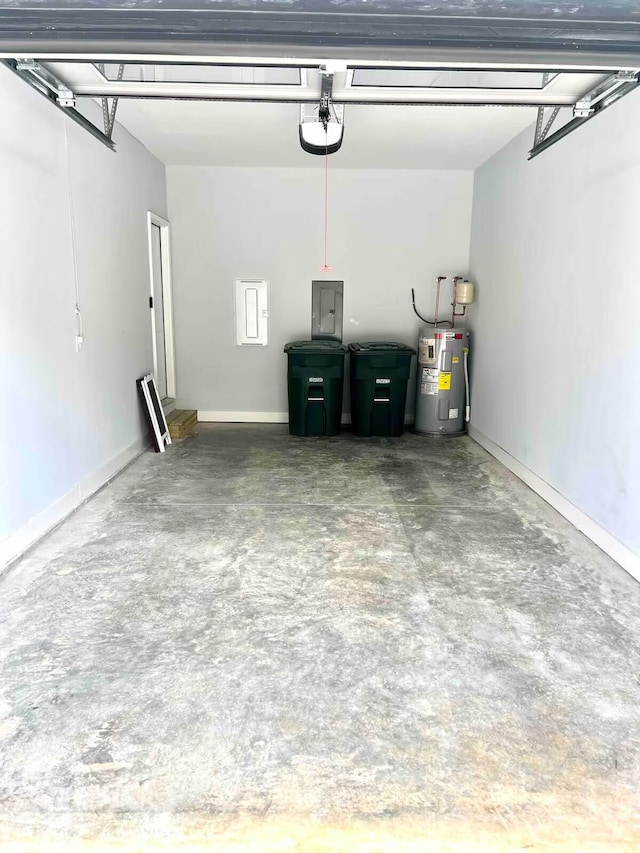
444 381
455 359
453 413
429 384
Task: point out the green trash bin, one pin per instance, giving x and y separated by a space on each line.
315 380
379 376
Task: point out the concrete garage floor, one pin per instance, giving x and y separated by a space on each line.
257 642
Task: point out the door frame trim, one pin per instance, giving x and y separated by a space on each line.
167 300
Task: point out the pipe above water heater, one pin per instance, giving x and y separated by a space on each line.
436 321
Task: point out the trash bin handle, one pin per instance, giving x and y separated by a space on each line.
384 346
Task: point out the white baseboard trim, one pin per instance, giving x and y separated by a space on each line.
598 535
260 418
243 417
15 545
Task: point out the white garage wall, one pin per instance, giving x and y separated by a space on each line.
69 420
388 231
556 256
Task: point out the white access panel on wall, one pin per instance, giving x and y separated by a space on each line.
252 312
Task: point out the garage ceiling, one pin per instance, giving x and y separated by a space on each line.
250 134
411 51
185 113
244 111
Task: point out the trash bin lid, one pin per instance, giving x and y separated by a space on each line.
319 346
380 346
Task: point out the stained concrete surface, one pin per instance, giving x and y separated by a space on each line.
259 642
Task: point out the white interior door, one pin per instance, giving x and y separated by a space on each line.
158 311
161 313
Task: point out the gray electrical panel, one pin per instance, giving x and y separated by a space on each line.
442 392
326 310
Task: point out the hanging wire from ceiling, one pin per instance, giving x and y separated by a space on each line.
325 267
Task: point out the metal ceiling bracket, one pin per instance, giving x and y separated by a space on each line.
326 108
550 121
109 112
326 90
62 94
310 112
587 105
56 92
607 92
543 129
105 116
327 103
537 137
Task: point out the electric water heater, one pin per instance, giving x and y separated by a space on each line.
442 393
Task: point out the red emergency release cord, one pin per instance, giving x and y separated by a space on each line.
326 267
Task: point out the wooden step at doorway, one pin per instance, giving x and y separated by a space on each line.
181 423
